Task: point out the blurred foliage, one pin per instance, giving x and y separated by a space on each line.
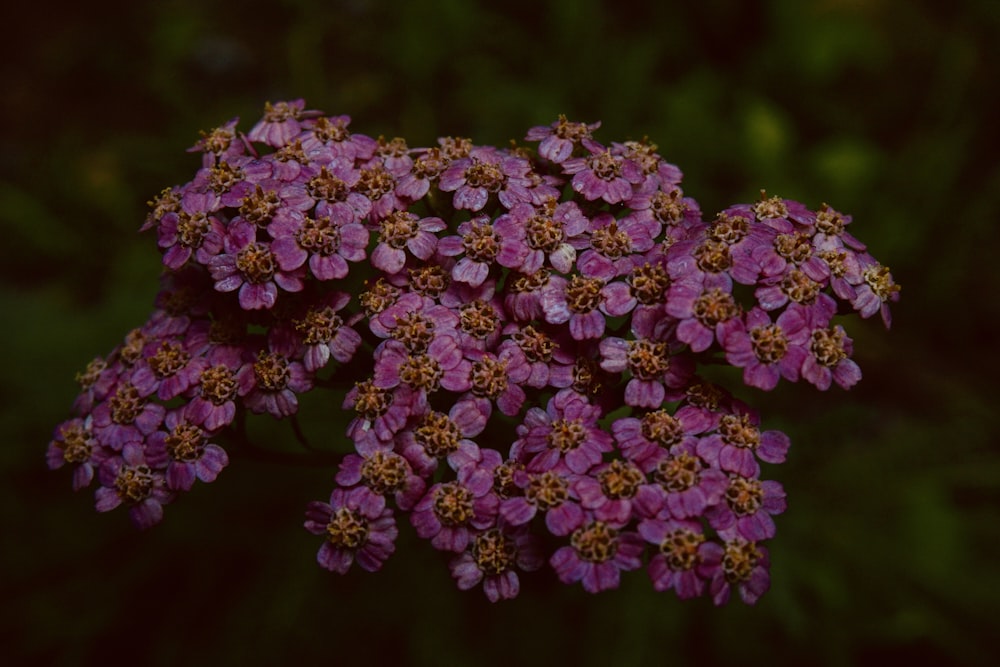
883 108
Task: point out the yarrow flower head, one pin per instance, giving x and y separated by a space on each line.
515 335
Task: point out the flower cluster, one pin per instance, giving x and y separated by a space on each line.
520 335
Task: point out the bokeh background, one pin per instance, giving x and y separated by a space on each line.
883 108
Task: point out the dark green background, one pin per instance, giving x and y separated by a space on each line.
885 109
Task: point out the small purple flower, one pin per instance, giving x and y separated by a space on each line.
73 443
277 377
167 369
127 415
747 510
651 366
685 486
602 175
829 359
478 243
324 333
356 525
280 122
681 551
438 436
441 366
473 179
609 489
401 231
739 438
584 302
876 292
529 235
185 452
548 492
450 511
251 267
325 242
737 563
700 312
642 439
560 138
766 351
613 244
492 558
193 230
596 556
128 479
564 437
385 473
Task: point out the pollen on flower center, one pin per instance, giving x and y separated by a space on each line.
739 559
489 378
799 287
546 490
738 430
191 229
713 256
478 319
769 343
453 504
621 479
397 228
134 484
185 442
680 548
881 282
772 207
76 442
430 280
326 186
828 346
668 207
583 295
648 360
376 182
537 346
126 404
438 435
378 297
662 428
414 331
714 307
218 384
271 370
484 175
566 434
421 371
319 325
543 233
744 495
678 473
605 166
795 248
259 206
610 241
347 529
649 283
595 543
384 472
371 402
256 263
319 236
169 359
729 229
494 552
481 242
